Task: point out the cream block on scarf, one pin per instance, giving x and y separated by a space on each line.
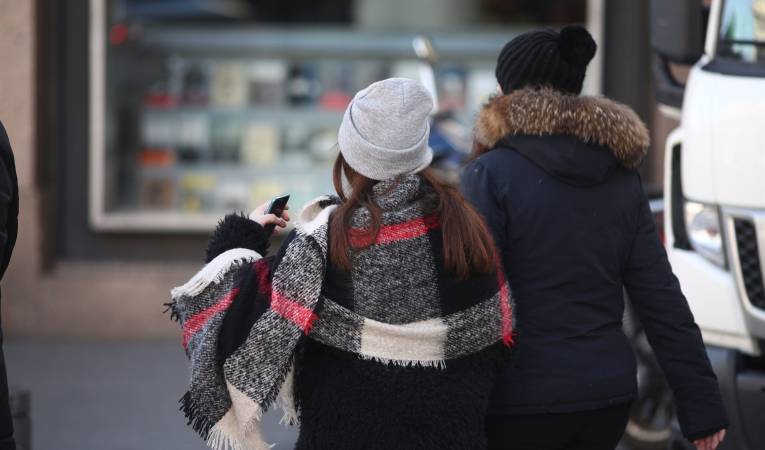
417 343
240 428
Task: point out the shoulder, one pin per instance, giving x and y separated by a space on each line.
4 141
315 214
636 191
487 163
6 153
5 147
496 167
487 180
9 190
500 154
630 184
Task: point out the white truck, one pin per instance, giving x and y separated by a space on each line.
714 203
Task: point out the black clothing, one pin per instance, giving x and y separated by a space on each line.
349 403
599 429
546 58
575 230
565 249
9 202
9 213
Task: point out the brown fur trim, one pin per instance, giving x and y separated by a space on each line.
547 112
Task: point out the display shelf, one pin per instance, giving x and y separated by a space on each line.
223 115
239 170
153 9
161 221
296 43
313 116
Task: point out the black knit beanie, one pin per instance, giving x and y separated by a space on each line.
546 58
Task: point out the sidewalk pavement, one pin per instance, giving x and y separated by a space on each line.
111 396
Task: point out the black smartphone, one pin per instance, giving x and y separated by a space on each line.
276 206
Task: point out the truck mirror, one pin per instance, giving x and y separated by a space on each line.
677 32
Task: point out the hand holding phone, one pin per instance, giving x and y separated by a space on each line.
272 213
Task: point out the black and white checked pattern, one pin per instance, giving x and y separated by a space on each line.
397 315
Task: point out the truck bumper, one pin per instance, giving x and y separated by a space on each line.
715 300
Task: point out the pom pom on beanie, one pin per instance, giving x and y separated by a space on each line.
546 58
576 45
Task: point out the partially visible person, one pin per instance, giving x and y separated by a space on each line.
554 174
386 298
9 213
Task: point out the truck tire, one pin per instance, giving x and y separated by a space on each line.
652 424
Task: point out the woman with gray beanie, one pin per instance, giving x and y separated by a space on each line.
554 174
381 321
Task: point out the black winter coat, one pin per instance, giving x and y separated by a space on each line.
567 210
9 201
9 212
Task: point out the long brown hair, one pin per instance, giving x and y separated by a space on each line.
467 244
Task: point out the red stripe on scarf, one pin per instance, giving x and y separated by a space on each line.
391 233
504 307
293 311
197 321
262 272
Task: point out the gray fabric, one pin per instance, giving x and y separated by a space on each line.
258 350
401 199
338 327
272 339
206 386
476 327
385 129
397 283
468 331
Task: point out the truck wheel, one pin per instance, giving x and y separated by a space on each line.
652 424
652 413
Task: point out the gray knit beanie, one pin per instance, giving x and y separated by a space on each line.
385 129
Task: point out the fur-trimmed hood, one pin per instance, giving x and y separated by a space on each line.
545 112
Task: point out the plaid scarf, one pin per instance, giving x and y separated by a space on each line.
243 315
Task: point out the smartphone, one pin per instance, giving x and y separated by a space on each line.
276 206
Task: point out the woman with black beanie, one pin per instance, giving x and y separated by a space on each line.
554 175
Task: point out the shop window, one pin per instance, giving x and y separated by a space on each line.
202 107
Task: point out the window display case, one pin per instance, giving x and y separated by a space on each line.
190 121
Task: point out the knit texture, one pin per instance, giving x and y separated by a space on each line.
385 129
546 58
236 231
244 316
348 403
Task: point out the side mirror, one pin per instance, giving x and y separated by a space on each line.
677 31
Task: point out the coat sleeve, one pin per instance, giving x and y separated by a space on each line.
674 336
9 202
237 231
9 211
481 190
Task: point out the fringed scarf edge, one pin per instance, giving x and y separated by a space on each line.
214 271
